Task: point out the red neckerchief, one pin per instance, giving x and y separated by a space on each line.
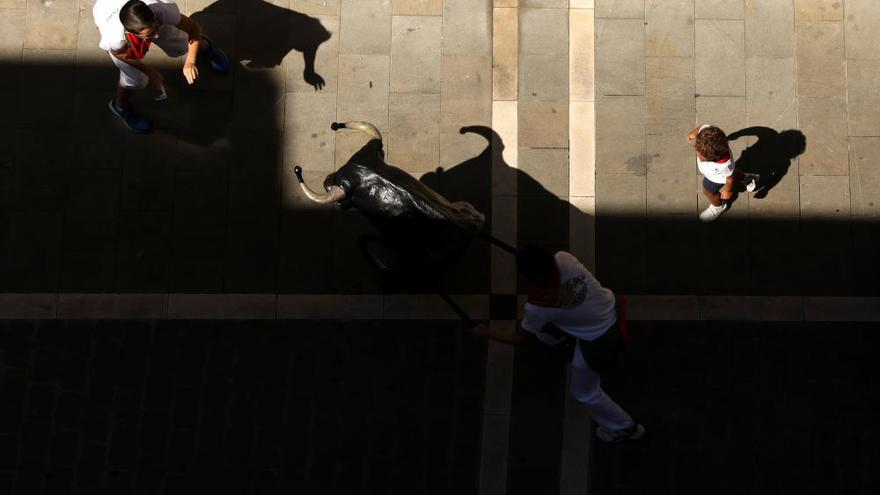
723 159
545 295
137 47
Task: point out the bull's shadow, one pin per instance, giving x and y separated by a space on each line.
770 157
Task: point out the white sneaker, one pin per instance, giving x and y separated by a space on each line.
712 212
634 432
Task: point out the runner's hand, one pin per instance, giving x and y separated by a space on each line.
190 72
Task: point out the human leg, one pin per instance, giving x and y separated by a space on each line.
130 80
717 206
586 388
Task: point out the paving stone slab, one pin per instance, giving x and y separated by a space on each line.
620 9
820 59
782 200
620 136
467 27
466 92
720 61
669 30
365 27
818 10
363 89
864 177
620 53
417 7
823 121
719 9
326 58
415 54
505 49
414 138
861 39
769 29
862 97
543 124
316 7
548 167
770 92
670 188
825 197
308 140
543 77
51 25
670 90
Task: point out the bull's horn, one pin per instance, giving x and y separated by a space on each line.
335 194
365 127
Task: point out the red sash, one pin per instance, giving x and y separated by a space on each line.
137 47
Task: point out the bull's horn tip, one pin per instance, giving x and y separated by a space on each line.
297 170
336 125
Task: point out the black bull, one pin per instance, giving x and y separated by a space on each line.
421 227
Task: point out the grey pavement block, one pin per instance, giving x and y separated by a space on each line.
302 306
36 111
726 112
429 307
250 264
670 187
414 138
620 135
543 31
200 192
550 229
466 92
817 308
720 61
548 167
417 7
669 30
365 27
670 95
253 171
783 200
621 194
663 308
821 61
143 252
363 89
864 176
415 54
326 59
93 150
467 27
823 121
620 57
719 9
543 77
770 92
764 308
825 197
258 105
12 27
543 124
221 306
13 4
863 97
28 306
499 368
308 140
112 306
769 29
312 7
620 8
494 455
51 25
818 10
861 37
543 4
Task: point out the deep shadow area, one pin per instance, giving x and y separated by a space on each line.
771 156
182 407
736 407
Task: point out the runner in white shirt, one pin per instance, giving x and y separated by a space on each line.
715 162
566 300
129 27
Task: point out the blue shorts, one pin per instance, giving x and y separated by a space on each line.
712 187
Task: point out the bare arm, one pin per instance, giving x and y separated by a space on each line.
194 30
518 336
693 134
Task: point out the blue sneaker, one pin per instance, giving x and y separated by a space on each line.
219 60
131 119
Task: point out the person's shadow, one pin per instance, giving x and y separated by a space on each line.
271 33
771 156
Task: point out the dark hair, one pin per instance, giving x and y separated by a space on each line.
712 143
536 264
136 16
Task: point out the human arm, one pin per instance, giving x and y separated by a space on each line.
693 134
194 30
727 188
504 335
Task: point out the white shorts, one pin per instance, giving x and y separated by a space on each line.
172 41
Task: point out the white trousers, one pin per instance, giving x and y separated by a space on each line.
587 390
171 40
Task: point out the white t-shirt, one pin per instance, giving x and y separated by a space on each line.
586 308
717 172
106 14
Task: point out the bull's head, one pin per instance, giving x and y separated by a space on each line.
334 193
